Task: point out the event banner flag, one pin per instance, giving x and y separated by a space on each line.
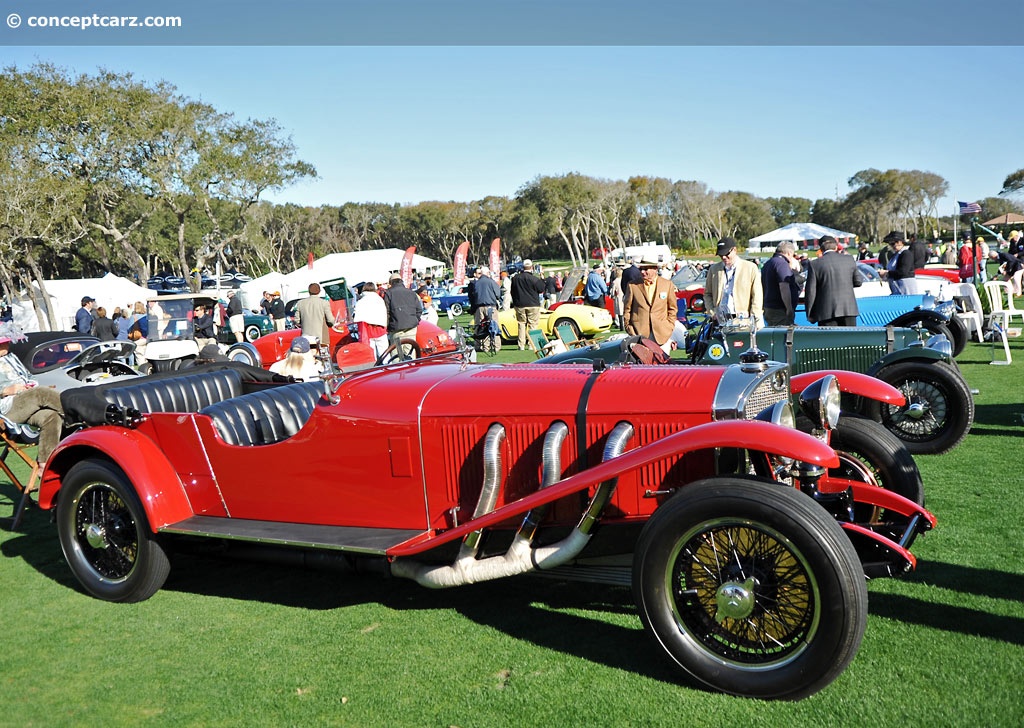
494 262
460 263
406 270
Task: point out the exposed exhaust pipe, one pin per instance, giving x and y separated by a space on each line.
521 557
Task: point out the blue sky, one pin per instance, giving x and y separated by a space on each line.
407 124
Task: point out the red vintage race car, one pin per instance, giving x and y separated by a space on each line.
746 541
346 351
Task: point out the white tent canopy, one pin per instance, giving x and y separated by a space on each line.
355 267
803 231
65 298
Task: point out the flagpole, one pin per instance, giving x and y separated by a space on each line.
956 208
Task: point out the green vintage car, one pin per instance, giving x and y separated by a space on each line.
939 410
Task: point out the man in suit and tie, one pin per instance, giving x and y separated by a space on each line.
829 293
651 311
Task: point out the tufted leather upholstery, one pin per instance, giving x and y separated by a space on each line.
187 393
263 418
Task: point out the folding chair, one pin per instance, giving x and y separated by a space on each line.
16 438
541 346
567 334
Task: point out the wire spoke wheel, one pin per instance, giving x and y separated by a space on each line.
105 537
106 533
750 587
744 593
939 409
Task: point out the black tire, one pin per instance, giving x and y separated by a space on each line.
456 309
933 323
252 332
939 411
246 353
392 355
105 536
871 454
960 335
751 588
572 326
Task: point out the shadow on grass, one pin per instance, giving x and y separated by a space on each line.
540 611
965 580
529 608
999 419
970 580
948 618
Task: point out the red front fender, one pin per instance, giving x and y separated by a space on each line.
157 484
852 383
748 434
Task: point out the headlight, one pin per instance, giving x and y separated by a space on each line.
820 402
941 344
780 413
947 309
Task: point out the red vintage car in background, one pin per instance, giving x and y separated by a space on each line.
745 541
346 351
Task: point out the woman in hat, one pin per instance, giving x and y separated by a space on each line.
299 363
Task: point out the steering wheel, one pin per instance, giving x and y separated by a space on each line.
404 349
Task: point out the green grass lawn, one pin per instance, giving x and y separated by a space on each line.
229 643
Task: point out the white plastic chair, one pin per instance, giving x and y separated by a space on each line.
971 315
1000 301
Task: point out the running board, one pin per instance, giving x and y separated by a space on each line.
608 575
374 541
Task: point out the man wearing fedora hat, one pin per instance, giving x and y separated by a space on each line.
734 285
652 308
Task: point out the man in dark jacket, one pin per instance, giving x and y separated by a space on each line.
236 316
202 323
404 310
900 265
779 282
526 292
919 250
276 311
486 294
830 283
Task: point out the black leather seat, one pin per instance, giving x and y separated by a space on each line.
263 418
185 393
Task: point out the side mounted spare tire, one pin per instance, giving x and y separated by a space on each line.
246 353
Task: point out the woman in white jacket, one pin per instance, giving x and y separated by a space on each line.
371 317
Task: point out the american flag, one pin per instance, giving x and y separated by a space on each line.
968 207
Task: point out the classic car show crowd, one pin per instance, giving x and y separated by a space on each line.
187 373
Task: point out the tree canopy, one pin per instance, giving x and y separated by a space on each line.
109 173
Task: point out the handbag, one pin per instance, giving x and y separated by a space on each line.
135 333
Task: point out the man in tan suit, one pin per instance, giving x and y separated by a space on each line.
733 287
652 308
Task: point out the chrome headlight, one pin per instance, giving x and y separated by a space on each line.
941 344
947 309
780 413
820 402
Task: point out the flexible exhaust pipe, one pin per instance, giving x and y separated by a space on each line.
489 492
551 458
521 557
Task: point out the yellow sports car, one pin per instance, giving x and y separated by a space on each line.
584 320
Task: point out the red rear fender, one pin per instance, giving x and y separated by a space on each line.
155 481
851 383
